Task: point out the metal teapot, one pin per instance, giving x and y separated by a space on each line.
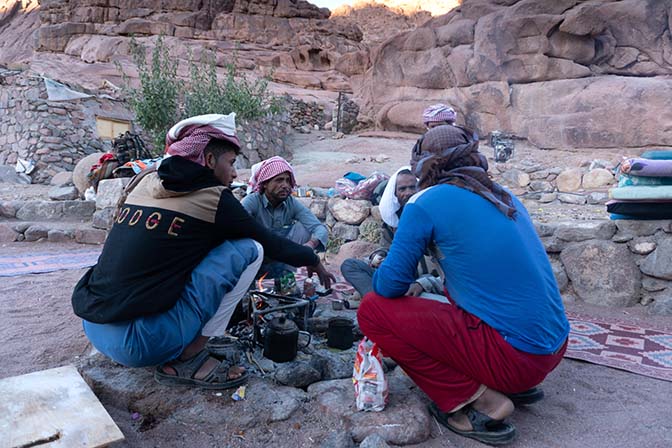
281 339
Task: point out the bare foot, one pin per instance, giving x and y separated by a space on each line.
491 403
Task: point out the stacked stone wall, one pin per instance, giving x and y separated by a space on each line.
53 134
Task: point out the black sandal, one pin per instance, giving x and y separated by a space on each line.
185 370
484 428
527 397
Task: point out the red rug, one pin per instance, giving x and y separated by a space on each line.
12 265
622 346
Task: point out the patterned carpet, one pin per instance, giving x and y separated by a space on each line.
11 266
622 346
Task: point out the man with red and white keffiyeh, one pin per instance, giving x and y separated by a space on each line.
180 256
272 205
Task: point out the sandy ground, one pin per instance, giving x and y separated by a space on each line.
586 405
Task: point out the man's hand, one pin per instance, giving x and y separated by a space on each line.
414 290
312 244
325 276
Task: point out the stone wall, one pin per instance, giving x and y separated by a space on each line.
600 262
57 134
262 138
54 134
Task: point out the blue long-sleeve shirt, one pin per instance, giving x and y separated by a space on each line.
284 215
496 268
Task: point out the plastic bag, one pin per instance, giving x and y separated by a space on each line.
369 378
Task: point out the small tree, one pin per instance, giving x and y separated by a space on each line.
163 99
156 102
205 94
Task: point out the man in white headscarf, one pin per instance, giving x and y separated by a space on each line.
359 273
181 254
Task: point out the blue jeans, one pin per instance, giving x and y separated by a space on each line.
208 295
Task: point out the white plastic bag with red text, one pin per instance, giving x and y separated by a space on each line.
369 378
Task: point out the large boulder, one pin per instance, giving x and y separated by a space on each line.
546 71
82 169
602 272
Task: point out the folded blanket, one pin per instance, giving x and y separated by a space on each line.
616 217
628 180
658 154
646 167
641 210
642 193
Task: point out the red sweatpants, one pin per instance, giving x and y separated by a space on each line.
448 352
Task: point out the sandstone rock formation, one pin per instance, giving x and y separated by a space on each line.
569 73
80 41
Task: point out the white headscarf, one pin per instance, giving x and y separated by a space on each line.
389 204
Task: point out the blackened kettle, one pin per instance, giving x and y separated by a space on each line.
281 339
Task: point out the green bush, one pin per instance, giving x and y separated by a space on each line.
156 102
163 98
205 94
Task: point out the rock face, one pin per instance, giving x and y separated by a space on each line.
546 71
293 39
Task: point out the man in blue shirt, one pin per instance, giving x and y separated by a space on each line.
504 329
273 206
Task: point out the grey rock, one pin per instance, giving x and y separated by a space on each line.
602 272
568 198
374 441
539 175
8 209
334 365
642 228
345 232
63 193
9 175
653 284
61 179
640 247
661 306
79 209
542 186
334 397
516 178
375 213
622 238
7 233
109 191
585 230
59 236
553 244
297 374
659 262
338 439
597 198
36 233
560 275
370 230
318 207
103 219
544 229
545 198
404 421
349 211
330 220
40 211
90 236
21 226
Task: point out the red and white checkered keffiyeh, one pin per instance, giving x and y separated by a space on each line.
189 137
438 113
269 169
